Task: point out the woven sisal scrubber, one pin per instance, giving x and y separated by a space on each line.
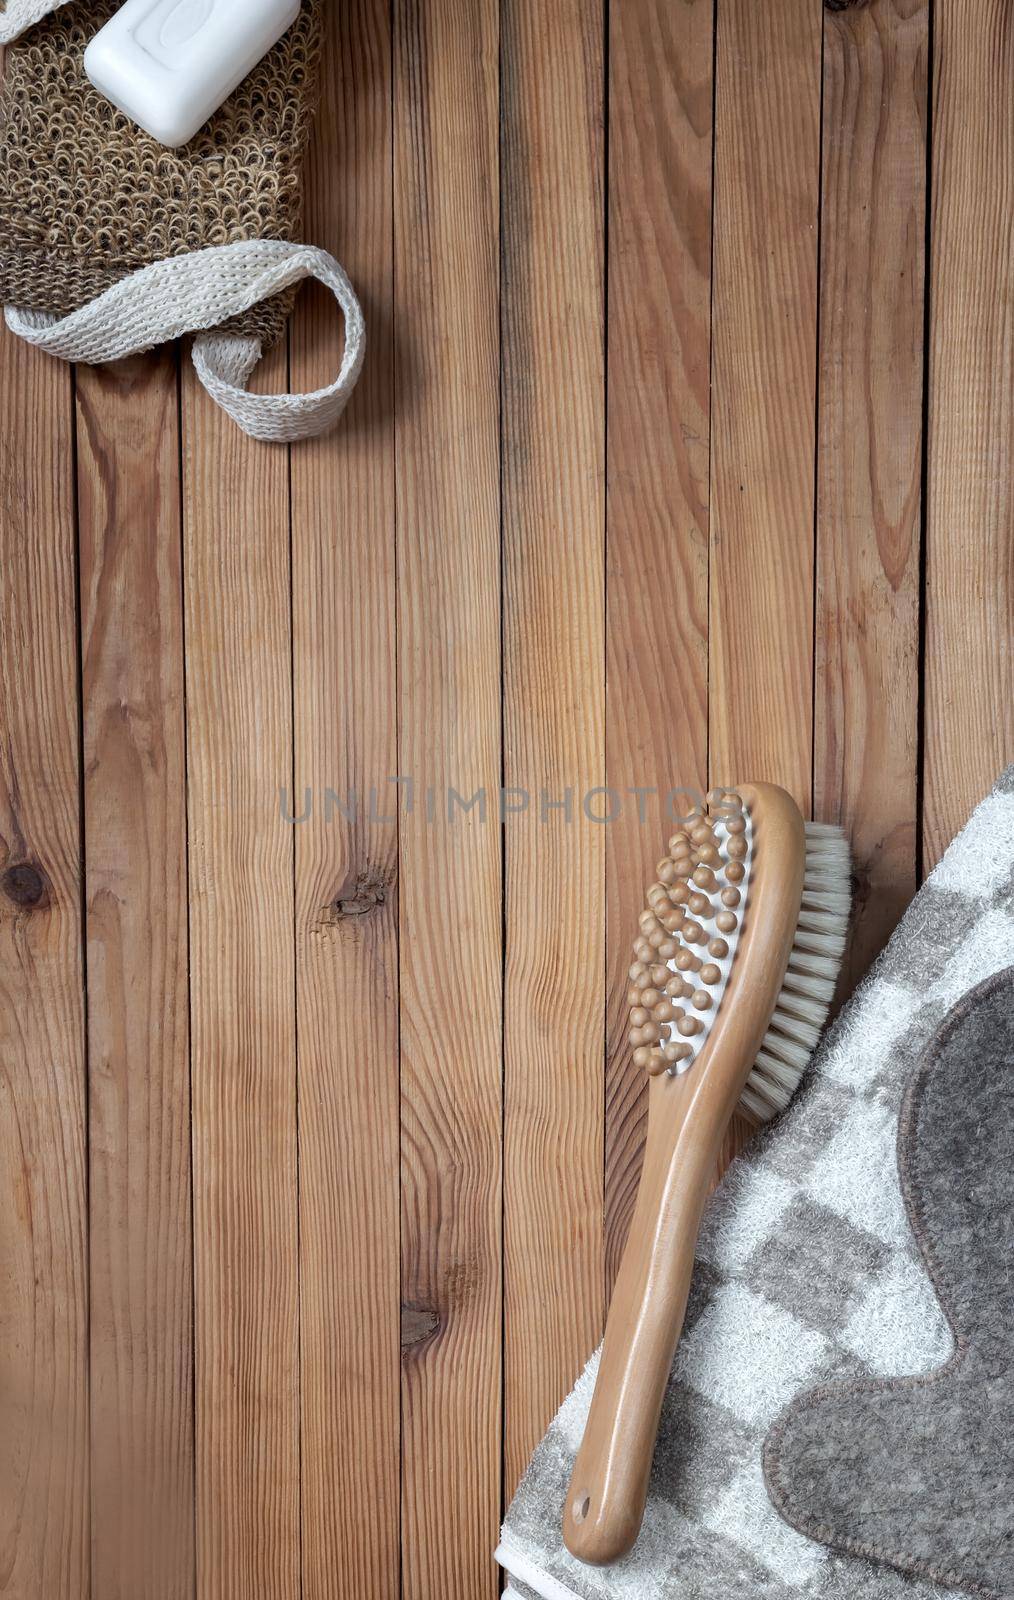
111 243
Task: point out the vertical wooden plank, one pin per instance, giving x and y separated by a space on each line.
969 710
43 1205
346 859
237 610
554 672
446 275
141 1353
869 479
767 166
660 117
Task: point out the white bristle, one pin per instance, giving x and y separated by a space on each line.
798 1028
787 1050
809 984
813 964
794 1004
825 900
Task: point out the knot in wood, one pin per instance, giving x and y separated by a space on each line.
25 885
418 1323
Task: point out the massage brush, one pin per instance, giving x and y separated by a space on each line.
735 968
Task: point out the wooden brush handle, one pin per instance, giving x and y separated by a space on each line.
609 1485
687 1119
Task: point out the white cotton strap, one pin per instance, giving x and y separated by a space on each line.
196 293
17 15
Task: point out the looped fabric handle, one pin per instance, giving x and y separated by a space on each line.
17 15
196 293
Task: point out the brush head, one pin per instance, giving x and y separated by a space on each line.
697 914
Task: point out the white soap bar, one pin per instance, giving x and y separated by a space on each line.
170 64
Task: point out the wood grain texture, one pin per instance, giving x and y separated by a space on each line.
237 605
659 342
344 607
869 479
140 1239
554 724
767 166
342 617
969 728
43 1222
447 473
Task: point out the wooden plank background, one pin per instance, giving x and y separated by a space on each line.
682 455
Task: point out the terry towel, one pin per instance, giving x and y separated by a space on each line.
807 1273
919 1471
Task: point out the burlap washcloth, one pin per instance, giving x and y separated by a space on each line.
808 1274
111 243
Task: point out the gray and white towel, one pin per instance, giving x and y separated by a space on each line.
807 1273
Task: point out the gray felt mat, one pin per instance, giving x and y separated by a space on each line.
807 1274
920 1471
